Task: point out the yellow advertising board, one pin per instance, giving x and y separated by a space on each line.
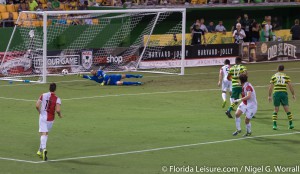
211 38
285 35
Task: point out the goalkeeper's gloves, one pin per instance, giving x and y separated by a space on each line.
102 84
237 100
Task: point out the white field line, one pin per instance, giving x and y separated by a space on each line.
152 150
122 95
18 160
204 73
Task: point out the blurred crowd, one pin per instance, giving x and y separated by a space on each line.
243 30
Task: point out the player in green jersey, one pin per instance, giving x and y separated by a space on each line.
278 82
233 75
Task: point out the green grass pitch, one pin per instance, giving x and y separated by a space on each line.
169 121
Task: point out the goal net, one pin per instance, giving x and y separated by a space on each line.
44 43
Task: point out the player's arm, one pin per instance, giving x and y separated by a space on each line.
247 97
270 92
220 77
292 90
38 106
57 109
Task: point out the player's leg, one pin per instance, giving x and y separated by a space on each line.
238 114
285 104
131 76
250 112
42 130
44 138
120 83
241 109
224 89
235 95
45 127
276 103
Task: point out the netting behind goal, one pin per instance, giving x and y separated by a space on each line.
111 40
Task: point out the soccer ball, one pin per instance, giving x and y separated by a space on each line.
64 72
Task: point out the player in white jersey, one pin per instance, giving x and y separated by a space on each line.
226 84
248 106
47 105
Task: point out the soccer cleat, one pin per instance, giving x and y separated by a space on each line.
140 76
247 134
224 103
45 158
236 132
228 114
39 153
139 83
291 126
79 75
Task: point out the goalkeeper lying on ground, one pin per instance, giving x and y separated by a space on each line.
111 79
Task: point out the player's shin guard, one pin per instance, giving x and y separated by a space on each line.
132 76
44 139
238 123
248 127
132 83
290 117
274 118
224 96
231 107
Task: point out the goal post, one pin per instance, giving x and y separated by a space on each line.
43 43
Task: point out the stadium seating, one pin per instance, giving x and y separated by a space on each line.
15 15
13 8
199 2
10 8
17 7
5 15
2 8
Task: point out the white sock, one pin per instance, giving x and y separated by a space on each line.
44 141
224 96
40 149
238 123
248 127
231 100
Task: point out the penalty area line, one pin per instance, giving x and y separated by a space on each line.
151 150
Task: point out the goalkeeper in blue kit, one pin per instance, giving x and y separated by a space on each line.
111 79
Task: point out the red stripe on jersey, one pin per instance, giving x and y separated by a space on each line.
51 107
245 90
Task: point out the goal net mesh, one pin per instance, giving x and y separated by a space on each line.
127 41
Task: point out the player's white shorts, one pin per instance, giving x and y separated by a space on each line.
249 111
44 125
226 85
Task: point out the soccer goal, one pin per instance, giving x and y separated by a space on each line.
44 43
